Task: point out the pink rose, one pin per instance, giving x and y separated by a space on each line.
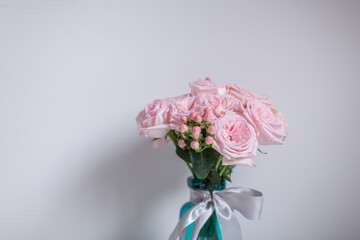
235 139
153 121
220 105
244 95
183 107
270 123
206 87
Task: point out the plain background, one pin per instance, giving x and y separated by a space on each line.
75 74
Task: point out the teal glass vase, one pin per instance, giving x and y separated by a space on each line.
211 229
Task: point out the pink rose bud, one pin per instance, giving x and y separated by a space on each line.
192 115
181 143
196 135
207 110
207 117
198 119
194 145
183 119
209 140
211 129
207 79
183 128
197 129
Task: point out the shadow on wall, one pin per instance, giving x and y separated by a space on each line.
123 186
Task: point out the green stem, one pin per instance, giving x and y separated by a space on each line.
218 162
190 168
173 138
222 171
262 151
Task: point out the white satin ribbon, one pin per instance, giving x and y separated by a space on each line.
247 201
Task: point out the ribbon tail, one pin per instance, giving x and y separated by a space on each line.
247 201
200 222
229 224
182 234
189 217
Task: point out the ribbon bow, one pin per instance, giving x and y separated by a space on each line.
247 201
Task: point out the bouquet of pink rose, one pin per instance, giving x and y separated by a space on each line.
214 128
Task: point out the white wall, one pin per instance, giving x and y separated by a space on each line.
74 75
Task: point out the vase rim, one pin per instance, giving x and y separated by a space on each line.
201 184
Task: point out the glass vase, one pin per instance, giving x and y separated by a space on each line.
211 229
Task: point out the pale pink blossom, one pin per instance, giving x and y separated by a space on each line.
186 106
153 121
270 123
206 87
235 139
196 135
207 117
183 127
197 129
183 119
209 140
181 143
211 129
198 118
244 95
194 145
196 132
220 105
192 115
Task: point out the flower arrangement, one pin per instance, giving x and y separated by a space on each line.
214 128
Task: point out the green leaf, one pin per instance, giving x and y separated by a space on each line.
193 123
214 177
213 180
187 133
200 166
226 176
262 151
211 153
173 136
227 173
188 142
211 188
183 154
203 162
